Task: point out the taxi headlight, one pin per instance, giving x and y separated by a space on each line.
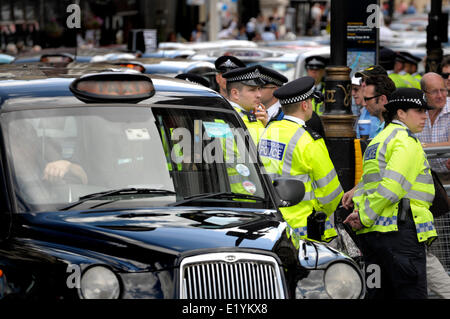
99 283
342 281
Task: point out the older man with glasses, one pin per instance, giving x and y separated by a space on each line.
436 131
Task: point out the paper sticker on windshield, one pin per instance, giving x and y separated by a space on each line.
242 170
249 187
137 134
217 129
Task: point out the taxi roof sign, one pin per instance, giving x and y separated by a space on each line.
113 87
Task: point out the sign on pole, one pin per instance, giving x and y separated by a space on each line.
363 22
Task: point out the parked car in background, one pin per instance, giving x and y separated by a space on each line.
290 63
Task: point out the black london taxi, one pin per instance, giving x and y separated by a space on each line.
123 185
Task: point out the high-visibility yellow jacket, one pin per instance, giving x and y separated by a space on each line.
400 81
319 108
254 127
411 79
288 148
395 167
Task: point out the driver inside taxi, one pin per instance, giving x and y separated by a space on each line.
29 159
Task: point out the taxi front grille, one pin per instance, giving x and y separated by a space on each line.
230 276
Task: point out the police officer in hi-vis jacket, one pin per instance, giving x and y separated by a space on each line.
391 204
290 148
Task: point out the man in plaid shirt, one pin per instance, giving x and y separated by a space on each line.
436 130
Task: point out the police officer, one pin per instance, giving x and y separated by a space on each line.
272 81
410 67
224 64
289 148
392 201
315 68
399 75
244 93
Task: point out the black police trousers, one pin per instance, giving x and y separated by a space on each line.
401 260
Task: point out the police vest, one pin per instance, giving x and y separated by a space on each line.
412 80
288 149
399 81
319 108
255 127
395 167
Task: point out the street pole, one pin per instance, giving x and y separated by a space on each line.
436 34
338 119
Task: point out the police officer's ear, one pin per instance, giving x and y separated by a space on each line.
305 104
234 93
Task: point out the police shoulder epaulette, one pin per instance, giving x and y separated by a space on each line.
311 132
411 134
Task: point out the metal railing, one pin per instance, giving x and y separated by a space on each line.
441 246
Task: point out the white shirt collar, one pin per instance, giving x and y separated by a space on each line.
294 119
399 122
273 109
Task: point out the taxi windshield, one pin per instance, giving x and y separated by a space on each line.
159 156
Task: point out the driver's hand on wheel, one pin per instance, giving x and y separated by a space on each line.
55 171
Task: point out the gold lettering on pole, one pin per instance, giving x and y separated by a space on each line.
347 93
329 96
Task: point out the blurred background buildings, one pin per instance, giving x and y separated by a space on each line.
26 23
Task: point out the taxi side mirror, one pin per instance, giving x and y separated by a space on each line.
290 191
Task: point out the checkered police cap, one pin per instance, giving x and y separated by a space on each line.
270 76
295 91
407 98
249 76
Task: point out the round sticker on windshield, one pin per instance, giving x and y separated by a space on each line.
242 170
249 187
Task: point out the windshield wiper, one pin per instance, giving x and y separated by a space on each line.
221 195
121 191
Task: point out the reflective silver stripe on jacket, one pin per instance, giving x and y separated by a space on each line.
423 196
381 155
287 164
324 181
330 197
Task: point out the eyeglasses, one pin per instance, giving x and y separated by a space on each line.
437 91
445 76
372 97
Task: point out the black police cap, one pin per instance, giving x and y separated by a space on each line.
228 62
250 76
409 58
372 70
316 62
296 91
270 76
386 58
193 78
406 98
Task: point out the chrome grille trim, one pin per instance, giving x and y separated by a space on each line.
230 275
